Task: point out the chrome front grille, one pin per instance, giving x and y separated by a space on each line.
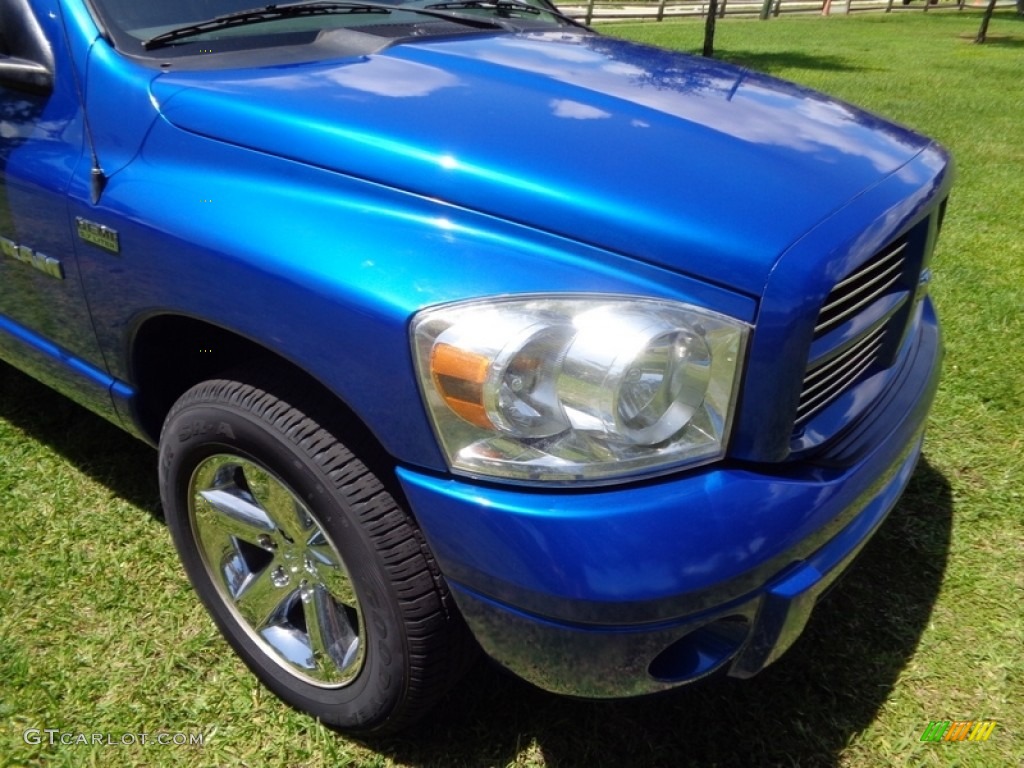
852 328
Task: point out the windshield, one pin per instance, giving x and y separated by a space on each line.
202 27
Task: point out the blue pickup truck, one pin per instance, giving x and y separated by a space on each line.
459 326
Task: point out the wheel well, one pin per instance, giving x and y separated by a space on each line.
170 354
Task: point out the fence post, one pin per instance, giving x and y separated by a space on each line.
848 4
888 7
590 12
778 6
661 10
766 9
721 9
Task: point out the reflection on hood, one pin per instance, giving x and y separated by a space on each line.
680 161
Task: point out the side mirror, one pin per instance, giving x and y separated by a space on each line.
25 75
26 56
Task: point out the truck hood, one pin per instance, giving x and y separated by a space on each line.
683 162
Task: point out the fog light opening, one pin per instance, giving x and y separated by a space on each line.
700 652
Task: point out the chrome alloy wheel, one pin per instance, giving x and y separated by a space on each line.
276 570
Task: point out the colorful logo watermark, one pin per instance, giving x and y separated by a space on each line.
958 730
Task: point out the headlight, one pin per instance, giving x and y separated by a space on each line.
577 389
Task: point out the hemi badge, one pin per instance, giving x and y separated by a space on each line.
97 234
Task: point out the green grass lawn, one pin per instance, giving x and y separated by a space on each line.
100 631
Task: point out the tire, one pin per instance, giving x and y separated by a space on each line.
320 581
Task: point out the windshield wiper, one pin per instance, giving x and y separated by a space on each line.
294 10
504 9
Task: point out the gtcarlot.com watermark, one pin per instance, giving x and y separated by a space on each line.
59 737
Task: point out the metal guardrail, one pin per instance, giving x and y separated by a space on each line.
659 10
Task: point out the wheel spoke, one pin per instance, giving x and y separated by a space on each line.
333 641
291 645
237 514
226 558
227 519
278 504
225 504
331 571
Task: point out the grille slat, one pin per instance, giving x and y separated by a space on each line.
824 382
861 289
835 372
833 367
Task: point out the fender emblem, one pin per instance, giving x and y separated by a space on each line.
99 235
45 264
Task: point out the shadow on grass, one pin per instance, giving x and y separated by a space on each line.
1004 31
1003 41
773 62
94 446
804 710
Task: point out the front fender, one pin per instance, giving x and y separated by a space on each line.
323 269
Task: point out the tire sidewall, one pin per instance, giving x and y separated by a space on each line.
199 430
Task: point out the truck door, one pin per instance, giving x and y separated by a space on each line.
45 327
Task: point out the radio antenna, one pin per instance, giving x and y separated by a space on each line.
97 178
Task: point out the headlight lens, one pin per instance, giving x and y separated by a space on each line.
577 389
